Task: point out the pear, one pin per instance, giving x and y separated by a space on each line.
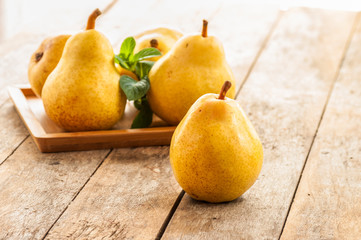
126 72
44 60
215 152
82 93
162 38
195 65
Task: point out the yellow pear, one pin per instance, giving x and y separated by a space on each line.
82 93
215 152
162 38
123 71
194 66
44 60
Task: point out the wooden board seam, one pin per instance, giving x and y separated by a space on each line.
259 53
14 150
77 193
347 45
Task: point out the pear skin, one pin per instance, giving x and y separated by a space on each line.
123 71
162 38
83 93
44 60
215 152
195 65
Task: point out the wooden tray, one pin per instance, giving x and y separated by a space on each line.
50 138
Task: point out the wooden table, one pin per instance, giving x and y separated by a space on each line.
299 80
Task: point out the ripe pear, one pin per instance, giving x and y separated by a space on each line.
44 60
215 152
162 38
123 71
194 66
83 93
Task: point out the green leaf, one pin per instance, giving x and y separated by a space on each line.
147 53
118 59
145 116
127 47
134 89
142 68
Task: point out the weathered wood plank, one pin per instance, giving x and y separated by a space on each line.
127 198
35 188
327 204
284 98
12 130
244 30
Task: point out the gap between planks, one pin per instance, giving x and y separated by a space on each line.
347 45
16 148
77 193
263 46
170 215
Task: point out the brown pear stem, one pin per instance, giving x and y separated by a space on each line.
154 43
226 86
92 18
204 29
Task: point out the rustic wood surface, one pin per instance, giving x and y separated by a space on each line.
299 82
328 199
284 96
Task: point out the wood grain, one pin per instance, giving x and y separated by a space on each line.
284 98
12 130
35 188
327 204
127 198
243 30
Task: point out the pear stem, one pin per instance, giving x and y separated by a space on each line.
154 43
226 86
204 29
92 18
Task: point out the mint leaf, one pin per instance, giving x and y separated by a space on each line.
118 59
134 89
142 68
145 116
147 53
127 47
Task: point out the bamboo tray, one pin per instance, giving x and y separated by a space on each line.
50 138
